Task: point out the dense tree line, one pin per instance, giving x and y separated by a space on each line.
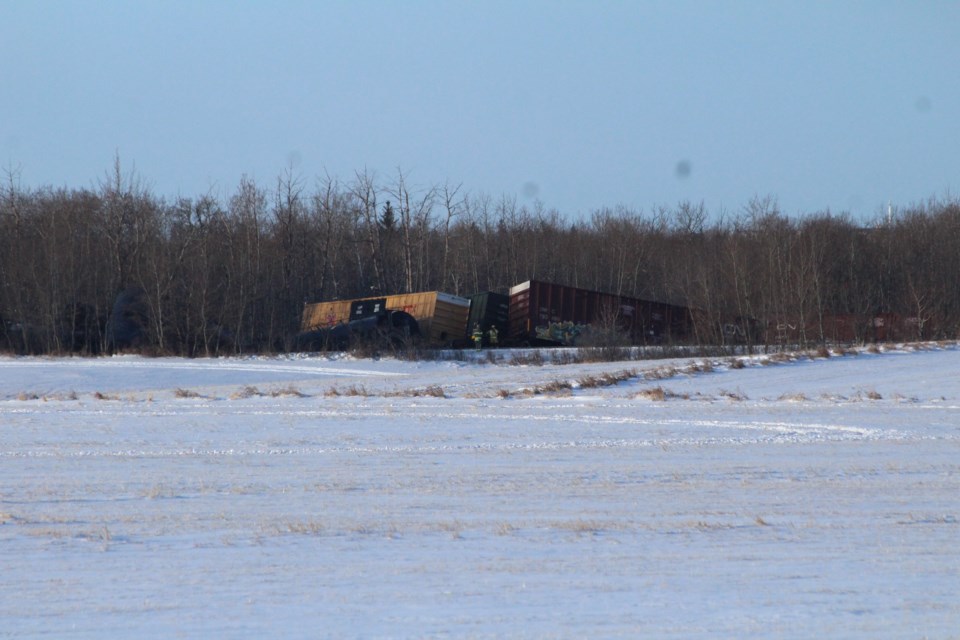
205 275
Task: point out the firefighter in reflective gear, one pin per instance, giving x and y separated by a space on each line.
477 336
492 336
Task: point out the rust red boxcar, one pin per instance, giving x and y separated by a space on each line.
552 313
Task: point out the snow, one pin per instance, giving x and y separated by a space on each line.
332 497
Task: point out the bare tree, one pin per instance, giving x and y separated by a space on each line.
364 192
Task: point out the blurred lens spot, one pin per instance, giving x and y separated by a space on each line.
683 169
923 104
530 189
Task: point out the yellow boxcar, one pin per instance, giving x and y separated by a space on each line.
442 317
323 315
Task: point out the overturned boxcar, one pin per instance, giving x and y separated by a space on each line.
383 329
546 313
441 317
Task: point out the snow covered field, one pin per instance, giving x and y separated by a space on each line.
315 497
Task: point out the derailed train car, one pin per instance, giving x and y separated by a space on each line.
545 313
532 313
441 318
490 315
385 328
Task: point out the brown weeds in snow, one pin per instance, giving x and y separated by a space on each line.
356 390
433 391
657 394
704 366
661 373
246 392
737 396
287 392
793 397
554 386
606 379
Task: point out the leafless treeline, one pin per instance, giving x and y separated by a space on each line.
210 276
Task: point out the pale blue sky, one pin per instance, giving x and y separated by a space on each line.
839 105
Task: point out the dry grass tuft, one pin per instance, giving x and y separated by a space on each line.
504 394
246 392
793 397
554 386
581 527
704 366
287 392
899 397
737 396
30 395
433 391
607 379
104 396
454 528
822 352
779 357
737 363
185 393
356 390
589 382
157 491
661 373
657 394
303 527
